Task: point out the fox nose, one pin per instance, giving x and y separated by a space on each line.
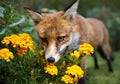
51 59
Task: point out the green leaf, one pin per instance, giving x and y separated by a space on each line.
1 11
3 31
17 23
28 29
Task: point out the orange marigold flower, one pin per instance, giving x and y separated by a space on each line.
13 40
22 42
26 41
21 51
6 55
51 69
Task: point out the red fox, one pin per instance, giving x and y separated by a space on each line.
67 30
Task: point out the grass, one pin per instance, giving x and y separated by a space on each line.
102 76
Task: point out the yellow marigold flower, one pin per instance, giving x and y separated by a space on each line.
6 40
67 79
42 52
75 71
22 42
13 40
21 51
6 55
75 54
86 49
26 41
51 69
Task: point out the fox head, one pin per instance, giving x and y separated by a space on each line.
54 30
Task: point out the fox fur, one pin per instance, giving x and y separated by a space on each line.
67 30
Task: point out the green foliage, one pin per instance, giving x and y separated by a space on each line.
18 70
102 76
13 22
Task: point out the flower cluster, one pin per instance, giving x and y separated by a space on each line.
75 54
73 73
22 42
86 49
51 69
69 68
67 79
6 55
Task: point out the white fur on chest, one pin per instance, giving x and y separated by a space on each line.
74 41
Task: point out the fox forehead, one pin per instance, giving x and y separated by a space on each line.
53 25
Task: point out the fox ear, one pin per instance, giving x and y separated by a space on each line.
71 10
36 16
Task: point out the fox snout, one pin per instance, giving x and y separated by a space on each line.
51 59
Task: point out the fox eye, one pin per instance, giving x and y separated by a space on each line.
59 39
44 39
